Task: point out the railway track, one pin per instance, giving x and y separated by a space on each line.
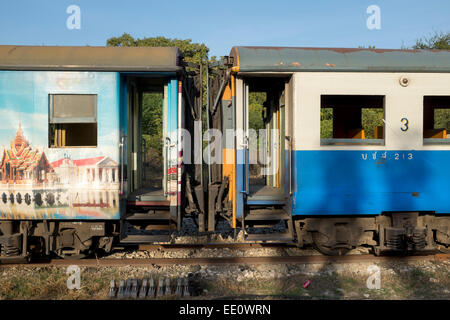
219 245
315 259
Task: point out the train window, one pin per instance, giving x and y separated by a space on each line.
436 119
72 120
351 119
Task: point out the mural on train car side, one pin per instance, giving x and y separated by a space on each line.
39 182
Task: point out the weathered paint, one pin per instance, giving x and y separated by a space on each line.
346 179
90 58
287 59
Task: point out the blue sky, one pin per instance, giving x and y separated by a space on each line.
223 24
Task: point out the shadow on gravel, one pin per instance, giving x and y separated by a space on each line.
429 281
304 285
322 285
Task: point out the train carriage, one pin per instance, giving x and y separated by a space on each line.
342 147
91 150
331 147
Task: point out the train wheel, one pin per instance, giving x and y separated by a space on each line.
321 244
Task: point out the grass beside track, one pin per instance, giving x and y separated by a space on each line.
399 280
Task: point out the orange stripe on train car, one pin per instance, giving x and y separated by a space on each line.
227 93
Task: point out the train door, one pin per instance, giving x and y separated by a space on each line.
147 127
153 115
252 187
263 205
264 131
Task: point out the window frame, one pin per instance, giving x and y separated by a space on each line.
71 120
342 142
434 141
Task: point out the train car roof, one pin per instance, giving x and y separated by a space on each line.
290 59
72 58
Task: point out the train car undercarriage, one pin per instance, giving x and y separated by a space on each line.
399 232
390 233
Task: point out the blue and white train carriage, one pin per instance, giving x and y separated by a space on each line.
89 147
353 148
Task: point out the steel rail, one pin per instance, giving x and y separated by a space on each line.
315 259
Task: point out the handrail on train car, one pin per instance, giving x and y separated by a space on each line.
121 146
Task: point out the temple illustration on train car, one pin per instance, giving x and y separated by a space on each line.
97 172
21 164
32 186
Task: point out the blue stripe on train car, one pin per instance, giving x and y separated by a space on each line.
370 182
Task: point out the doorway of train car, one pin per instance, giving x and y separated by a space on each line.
264 124
147 131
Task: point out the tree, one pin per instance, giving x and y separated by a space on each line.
255 120
192 52
439 40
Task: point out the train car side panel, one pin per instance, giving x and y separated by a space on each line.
60 145
370 182
401 170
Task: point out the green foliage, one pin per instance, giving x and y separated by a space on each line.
255 101
371 118
151 122
326 123
192 52
152 113
442 119
438 40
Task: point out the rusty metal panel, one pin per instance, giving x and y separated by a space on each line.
339 59
90 58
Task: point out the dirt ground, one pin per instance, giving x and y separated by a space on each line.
397 280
